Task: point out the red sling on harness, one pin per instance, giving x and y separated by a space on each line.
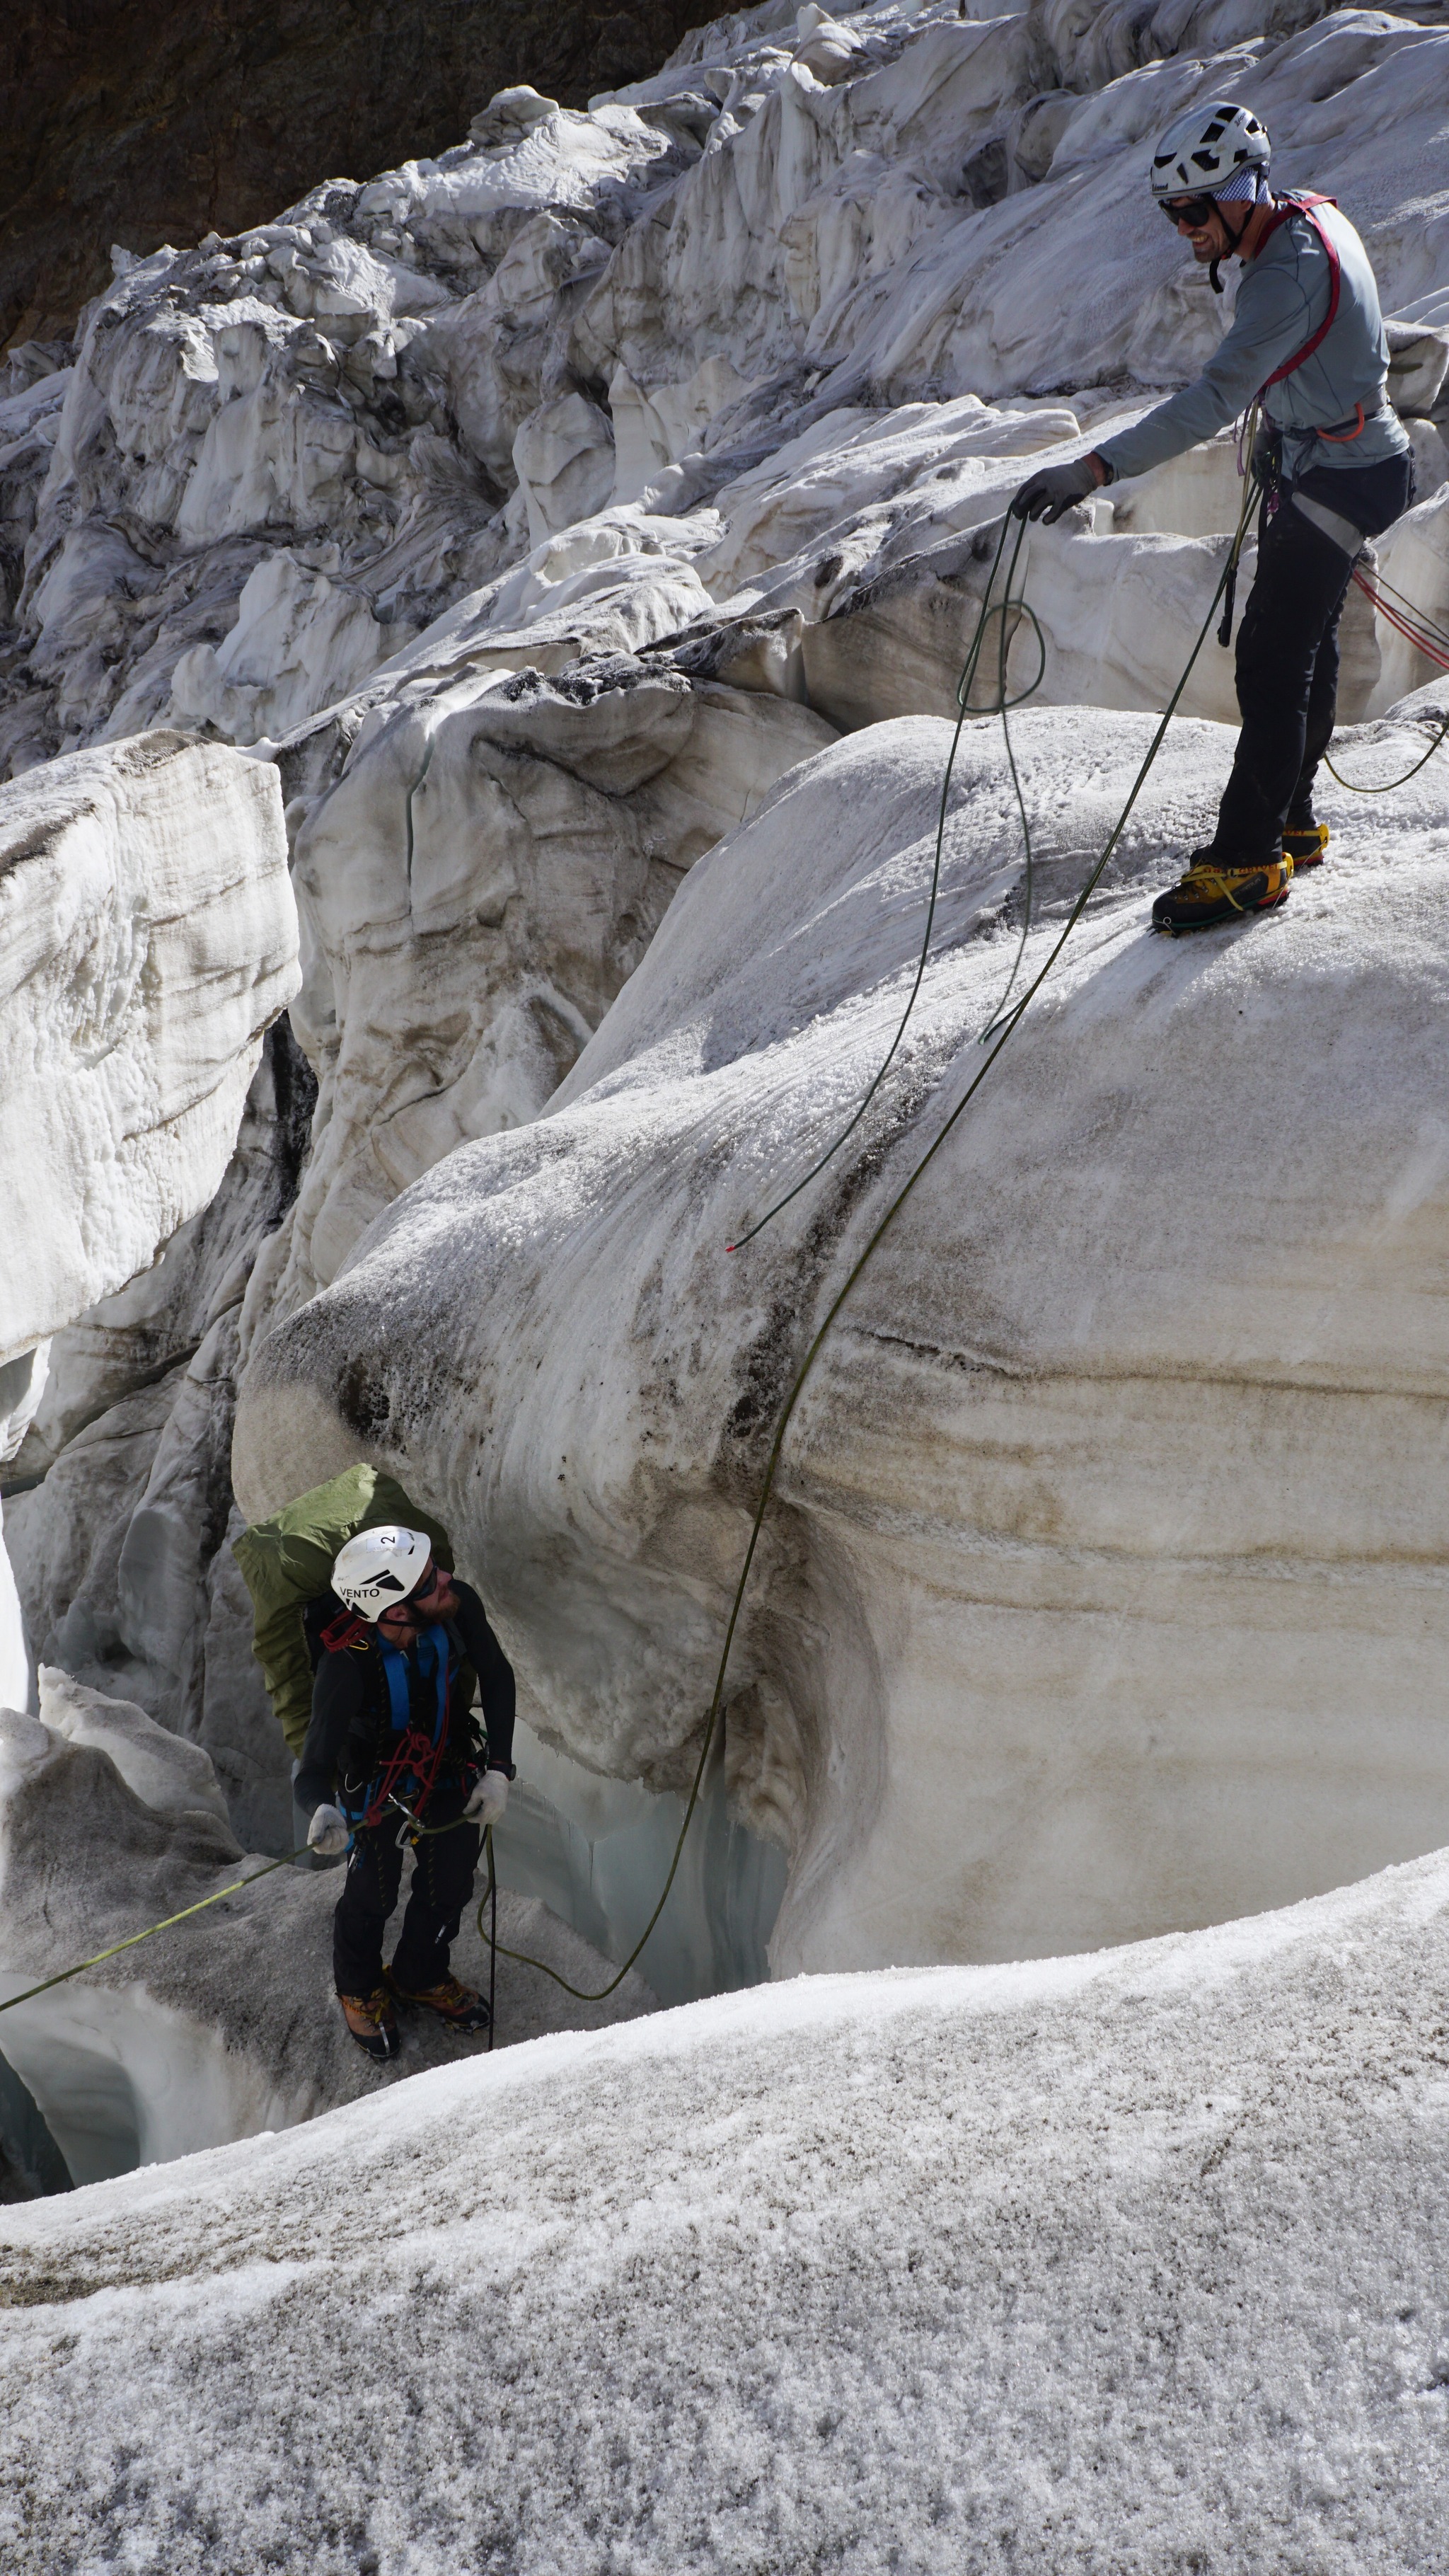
1304 204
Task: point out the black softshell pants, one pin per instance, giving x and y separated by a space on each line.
1287 661
443 1871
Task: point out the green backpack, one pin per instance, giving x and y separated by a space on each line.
288 1561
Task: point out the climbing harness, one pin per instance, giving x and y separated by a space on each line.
416 1755
1305 201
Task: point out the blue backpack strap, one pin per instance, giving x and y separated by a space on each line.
395 1669
434 1662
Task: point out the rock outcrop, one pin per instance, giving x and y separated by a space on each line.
144 126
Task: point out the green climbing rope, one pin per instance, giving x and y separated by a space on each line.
1001 611
114 1952
1004 1029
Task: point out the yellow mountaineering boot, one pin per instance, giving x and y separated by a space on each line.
1218 889
1306 846
459 2006
372 2022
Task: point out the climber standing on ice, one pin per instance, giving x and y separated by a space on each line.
398 1643
1336 466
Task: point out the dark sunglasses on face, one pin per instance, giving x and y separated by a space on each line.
1193 211
420 1592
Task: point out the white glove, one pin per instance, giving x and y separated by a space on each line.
1047 494
329 1832
490 1797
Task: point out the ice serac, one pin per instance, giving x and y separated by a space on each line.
1101 1591
229 2026
480 865
147 939
1128 2262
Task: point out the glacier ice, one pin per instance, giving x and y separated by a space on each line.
543 515
583 531
1086 1608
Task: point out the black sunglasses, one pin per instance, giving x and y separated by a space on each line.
1189 210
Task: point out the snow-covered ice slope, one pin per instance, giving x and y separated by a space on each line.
1102 1591
1132 2264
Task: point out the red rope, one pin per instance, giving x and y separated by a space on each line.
1429 646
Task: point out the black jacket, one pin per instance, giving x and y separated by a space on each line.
351 1711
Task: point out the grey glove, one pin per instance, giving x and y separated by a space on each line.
1047 494
490 1797
329 1833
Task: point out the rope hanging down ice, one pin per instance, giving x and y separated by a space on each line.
1421 630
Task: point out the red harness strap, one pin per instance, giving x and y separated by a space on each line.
1304 204
416 1754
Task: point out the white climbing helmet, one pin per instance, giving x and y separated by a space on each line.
379 1568
1203 152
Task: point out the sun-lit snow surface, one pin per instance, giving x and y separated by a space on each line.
1127 2263
1103 1590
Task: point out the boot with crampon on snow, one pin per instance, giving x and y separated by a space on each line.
1217 889
1306 844
372 2022
457 2005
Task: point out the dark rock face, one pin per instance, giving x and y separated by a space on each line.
144 121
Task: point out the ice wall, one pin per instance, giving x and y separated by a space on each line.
1083 1606
535 511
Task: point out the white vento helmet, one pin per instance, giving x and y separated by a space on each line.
379 1568
1203 152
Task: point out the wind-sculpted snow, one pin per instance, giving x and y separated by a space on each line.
1090 1603
1130 2262
227 2026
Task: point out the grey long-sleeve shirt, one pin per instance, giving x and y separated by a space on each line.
1282 298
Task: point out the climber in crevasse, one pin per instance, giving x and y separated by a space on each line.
1334 460
398 1643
